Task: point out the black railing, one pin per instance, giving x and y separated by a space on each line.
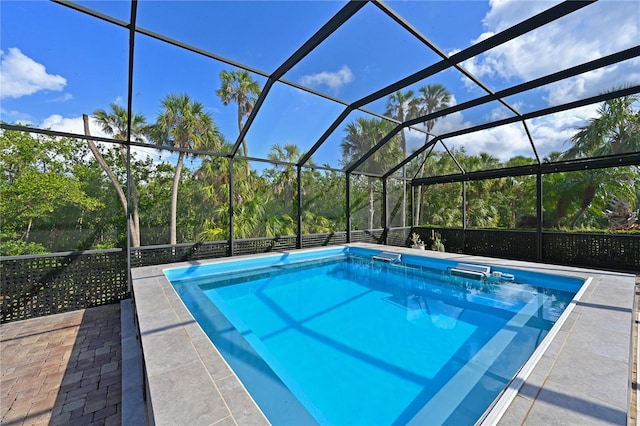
38 285
325 239
614 252
373 236
601 251
161 254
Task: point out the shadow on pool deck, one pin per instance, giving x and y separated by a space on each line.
62 369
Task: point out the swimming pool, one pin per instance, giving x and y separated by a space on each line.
335 337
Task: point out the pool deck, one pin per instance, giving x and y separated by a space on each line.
62 369
583 376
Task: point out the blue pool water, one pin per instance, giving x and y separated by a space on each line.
334 337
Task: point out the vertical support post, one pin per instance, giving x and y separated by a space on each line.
132 34
411 210
231 213
411 205
299 233
539 213
464 216
385 212
464 205
348 206
129 218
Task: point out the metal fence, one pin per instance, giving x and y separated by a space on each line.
38 285
614 252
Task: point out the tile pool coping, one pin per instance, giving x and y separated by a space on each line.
583 376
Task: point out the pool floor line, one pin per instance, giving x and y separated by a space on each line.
591 340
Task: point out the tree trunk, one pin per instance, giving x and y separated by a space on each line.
577 217
133 227
26 234
174 199
588 195
135 211
245 148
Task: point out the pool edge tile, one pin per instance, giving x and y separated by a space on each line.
190 373
538 407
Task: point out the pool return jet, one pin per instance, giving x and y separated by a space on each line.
478 272
387 256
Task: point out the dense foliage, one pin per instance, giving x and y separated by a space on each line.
58 194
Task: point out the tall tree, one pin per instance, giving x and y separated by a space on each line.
323 208
432 97
360 137
401 106
482 211
616 130
285 180
115 124
183 123
37 182
441 202
238 86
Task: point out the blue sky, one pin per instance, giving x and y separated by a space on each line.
58 64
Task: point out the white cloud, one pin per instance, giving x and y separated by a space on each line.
450 123
504 14
65 97
502 142
597 30
553 132
594 82
69 125
549 133
499 113
76 125
334 80
21 75
16 117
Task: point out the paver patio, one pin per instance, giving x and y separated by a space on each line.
62 369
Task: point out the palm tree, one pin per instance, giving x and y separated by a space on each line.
183 124
433 97
284 181
616 130
361 136
250 201
212 178
482 210
400 106
115 124
438 200
238 86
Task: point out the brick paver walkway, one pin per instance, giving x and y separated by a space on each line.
62 369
